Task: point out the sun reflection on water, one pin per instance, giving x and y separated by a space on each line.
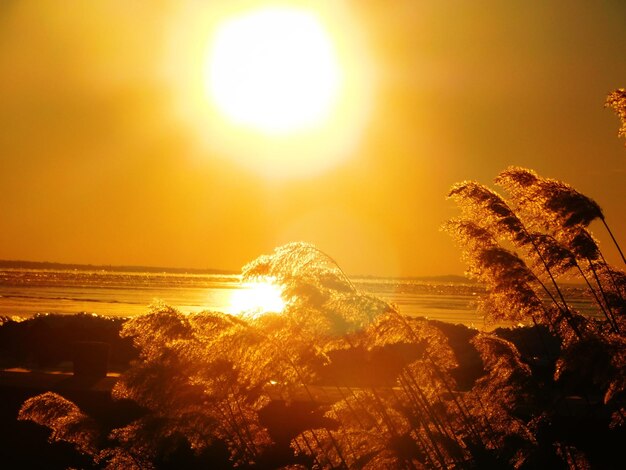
256 298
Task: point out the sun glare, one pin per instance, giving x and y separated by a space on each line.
274 70
256 298
282 90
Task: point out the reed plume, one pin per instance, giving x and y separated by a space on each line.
195 377
541 228
498 396
66 421
320 299
205 379
565 214
487 210
482 204
617 101
552 204
371 434
511 293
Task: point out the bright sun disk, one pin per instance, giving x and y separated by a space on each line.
273 70
283 91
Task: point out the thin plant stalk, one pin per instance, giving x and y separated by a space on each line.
608 313
614 240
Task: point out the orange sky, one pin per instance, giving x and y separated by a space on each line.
98 165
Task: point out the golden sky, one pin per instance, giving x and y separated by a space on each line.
107 155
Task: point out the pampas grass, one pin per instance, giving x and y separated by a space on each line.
206 379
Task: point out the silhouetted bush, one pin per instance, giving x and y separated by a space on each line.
48 340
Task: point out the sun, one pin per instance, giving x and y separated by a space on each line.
281 90
273 70
256 298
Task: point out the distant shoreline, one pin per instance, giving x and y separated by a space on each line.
20 264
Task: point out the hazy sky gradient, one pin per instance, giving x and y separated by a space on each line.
96 165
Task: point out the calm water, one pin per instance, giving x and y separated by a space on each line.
25 292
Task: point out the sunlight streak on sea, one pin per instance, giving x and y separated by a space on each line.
26 292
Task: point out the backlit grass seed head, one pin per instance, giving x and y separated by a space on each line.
617 101
489 209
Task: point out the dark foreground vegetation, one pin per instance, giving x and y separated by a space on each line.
342 373
341 379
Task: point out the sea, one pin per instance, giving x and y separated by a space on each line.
25 292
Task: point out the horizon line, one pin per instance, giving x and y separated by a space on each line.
12 264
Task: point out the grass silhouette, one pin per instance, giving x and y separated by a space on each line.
206 381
